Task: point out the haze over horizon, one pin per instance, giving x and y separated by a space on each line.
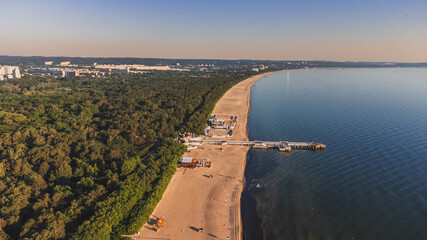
379 30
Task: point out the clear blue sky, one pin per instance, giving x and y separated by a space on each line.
360 30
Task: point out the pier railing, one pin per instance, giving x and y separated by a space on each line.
281 145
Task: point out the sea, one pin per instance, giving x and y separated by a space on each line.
369 183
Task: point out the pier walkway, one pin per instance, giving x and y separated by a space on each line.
281 145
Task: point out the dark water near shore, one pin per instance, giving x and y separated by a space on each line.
370 183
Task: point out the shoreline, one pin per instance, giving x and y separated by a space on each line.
194 200
248 104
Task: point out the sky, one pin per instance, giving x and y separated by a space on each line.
345 30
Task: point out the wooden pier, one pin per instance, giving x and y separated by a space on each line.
281 145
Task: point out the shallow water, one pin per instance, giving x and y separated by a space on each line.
370 183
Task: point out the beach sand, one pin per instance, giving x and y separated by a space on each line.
193 200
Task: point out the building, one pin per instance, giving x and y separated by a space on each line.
9 72
72 74
44 72
187 162
122 70
17 73
48 63
64 64
133 67
1 73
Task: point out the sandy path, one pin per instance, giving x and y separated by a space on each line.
192 199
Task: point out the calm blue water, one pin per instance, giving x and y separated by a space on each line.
370 183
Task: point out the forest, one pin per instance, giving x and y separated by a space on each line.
89 158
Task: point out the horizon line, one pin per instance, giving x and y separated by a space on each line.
219 59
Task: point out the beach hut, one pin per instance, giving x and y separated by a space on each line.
187 162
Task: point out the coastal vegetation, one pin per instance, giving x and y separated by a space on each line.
90 158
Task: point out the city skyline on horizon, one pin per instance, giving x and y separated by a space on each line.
211 59
371 31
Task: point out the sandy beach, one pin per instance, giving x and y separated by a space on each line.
194 200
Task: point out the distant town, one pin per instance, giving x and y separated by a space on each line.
69 69
15 67
95 70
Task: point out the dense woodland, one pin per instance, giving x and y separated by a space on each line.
88 158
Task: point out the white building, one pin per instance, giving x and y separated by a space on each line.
48 63
64 64
133 67
17 73
9 72
1 73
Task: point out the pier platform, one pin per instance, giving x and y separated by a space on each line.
280 145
